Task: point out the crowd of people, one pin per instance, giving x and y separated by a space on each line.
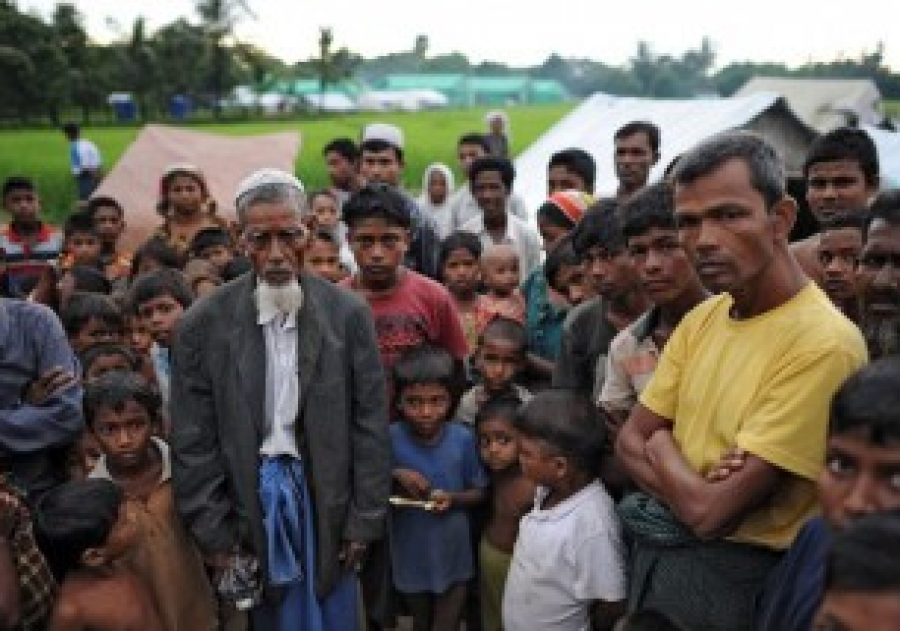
351 409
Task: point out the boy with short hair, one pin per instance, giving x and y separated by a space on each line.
408 309
323 258
109 220
29 244
502 351
160 298
90 319
81 242
670 282
862 577
85 530
862 454
381 162
842 174
109 217
590 328
123 412
107 357
567 569
214 245
840 244
571 169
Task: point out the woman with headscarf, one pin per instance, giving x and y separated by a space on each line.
435 200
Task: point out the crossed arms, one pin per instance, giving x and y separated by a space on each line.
713 505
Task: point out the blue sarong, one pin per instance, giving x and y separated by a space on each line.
290 535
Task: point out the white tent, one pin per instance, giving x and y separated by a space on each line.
428 99
823 104
404 100
683 123
888 145
330 102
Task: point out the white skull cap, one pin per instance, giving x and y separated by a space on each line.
391 134
264 177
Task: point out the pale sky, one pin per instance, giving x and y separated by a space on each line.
526 32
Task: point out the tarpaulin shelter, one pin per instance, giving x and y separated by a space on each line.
683 123
823 104
224 160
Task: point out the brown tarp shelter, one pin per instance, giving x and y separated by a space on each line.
224 160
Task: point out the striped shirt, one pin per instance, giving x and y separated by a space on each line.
28 255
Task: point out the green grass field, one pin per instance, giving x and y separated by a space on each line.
430 137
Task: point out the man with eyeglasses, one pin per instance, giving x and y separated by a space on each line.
879 276
280 450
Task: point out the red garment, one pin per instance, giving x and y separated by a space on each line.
490 307
418 311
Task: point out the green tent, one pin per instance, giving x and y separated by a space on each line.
453 86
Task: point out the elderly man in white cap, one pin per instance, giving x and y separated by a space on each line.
281 459
381 161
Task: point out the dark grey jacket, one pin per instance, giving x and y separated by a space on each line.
217 409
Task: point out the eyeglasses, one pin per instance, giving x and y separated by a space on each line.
386 241
875 261
287 237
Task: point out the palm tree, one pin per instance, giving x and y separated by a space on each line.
219 18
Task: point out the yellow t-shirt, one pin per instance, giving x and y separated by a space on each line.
764 384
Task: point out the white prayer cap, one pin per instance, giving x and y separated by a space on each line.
391 134
264 177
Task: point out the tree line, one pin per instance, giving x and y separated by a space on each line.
51 69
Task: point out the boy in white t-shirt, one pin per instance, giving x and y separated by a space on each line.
567 570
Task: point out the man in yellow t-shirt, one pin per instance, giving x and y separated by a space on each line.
729 435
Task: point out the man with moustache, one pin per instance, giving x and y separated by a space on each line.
841 171
751 370
636 151
879 276
279 442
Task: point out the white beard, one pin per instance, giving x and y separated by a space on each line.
272 300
